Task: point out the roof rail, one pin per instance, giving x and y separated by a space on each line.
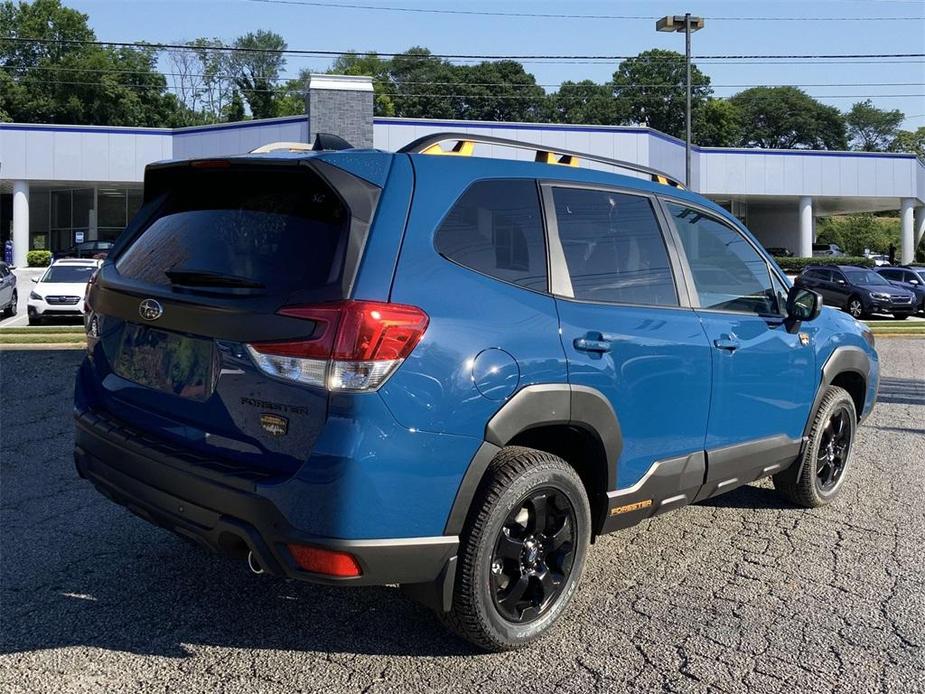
323 141
464 145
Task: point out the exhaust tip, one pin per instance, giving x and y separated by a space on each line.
254 565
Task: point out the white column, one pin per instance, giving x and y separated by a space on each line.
905 230
806 227
20 222
918 223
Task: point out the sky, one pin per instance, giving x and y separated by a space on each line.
890 85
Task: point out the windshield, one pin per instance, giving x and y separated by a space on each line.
864 277
71 274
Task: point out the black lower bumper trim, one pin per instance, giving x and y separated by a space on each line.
232 519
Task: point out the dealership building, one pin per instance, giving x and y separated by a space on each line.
60 184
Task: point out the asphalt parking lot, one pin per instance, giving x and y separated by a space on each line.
744 593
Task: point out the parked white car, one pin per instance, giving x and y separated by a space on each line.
60 291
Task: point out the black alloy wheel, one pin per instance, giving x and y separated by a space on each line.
834 446
533 555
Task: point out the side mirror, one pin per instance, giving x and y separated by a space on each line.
840 282
914 282
803 305
35 280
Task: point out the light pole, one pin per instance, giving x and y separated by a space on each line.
688 25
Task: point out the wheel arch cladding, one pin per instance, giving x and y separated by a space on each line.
847 367
576 423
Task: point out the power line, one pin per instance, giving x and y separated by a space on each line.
401 95
660 85
458 56
556 15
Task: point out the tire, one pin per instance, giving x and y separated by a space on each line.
14 303
856 308
823 467
35 320
506 562
901 316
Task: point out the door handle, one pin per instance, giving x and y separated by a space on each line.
727 342
593 342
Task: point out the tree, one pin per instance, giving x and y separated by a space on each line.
856 233
910 141
80 83
371 65
234 110
652 90
425 86
872 129
498 91
584 102
256 65
788 118
717 123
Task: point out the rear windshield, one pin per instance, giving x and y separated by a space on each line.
71 274
274 230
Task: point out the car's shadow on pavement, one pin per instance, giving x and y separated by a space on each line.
158 596
901 391
749 496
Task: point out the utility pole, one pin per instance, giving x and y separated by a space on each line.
688 25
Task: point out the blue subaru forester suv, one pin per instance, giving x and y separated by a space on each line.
450 372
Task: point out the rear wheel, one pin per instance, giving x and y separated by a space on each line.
522 550
826 456
855 307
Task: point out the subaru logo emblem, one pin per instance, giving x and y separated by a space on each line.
150 309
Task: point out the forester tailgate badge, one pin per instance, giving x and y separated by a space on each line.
273 424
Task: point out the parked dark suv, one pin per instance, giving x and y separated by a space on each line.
859 291
450 372
912 279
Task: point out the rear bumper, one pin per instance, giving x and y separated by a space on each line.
227 514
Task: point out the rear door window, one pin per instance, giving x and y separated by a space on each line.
278 231
613 248
496 228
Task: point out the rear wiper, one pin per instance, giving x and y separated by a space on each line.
204 278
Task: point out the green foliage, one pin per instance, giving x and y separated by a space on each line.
856 233
499 91
74 82
256 69
910 141
651 87
38 258
717 123
788 118
235 109
371 65
584 102
871 129
794 265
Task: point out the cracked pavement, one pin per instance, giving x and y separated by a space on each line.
742 593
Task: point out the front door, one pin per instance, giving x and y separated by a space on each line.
629 333
763 373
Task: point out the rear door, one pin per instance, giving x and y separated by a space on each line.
763 374
202 272
626 325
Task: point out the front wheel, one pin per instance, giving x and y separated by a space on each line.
855 307
522 550
900 316
827 453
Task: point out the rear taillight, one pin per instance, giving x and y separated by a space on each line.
355 345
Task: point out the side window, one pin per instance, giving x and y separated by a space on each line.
728 272
613 248
824 275
838 277
496 228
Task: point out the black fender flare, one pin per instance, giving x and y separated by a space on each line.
843 359
532 407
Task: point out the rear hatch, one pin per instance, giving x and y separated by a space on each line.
218 248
